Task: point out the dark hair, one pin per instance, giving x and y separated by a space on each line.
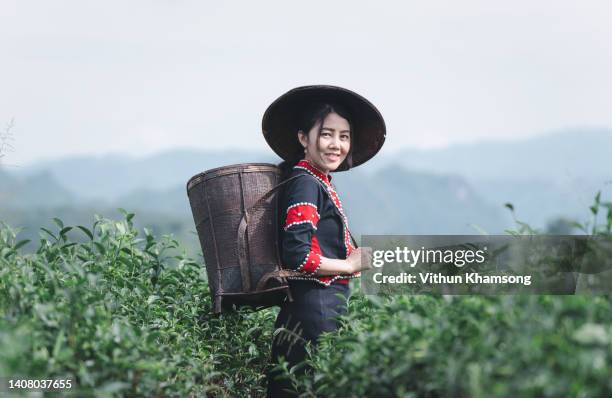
317 113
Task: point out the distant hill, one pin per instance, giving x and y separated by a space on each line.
39 190
404 202
97 177
391 201
433 191
398 201
546 177
562 156
559 156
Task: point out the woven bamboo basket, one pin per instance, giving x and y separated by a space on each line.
235 212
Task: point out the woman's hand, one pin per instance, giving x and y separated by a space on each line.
360 259
354 263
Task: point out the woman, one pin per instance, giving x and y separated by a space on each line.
333 129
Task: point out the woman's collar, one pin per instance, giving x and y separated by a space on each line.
308 166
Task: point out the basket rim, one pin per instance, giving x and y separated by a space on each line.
231 169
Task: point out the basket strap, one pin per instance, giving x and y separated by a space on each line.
352 238
283 273
243 256
272 190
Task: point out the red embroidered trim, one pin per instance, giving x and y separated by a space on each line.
301 213
347 239
312 262
306 165
304 204
327 280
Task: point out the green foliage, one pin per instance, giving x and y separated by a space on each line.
424 346
522 227
592 227
123 314
129 314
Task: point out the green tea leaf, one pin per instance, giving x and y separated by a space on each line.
86 231
64 231
58 222
20 244
49 233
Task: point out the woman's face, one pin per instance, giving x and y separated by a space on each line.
333 146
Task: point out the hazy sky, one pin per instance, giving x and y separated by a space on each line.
143 76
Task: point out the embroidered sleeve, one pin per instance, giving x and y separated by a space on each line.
301 249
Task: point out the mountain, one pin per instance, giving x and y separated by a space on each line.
398 201
434 191
39 190
405 202
546 177
390 201
559 156
97 177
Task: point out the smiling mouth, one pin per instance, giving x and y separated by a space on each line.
332 156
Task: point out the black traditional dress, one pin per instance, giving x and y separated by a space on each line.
313 225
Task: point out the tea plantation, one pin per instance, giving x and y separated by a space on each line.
124 313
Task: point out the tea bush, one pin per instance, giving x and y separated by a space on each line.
123 315
128 314
423 346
